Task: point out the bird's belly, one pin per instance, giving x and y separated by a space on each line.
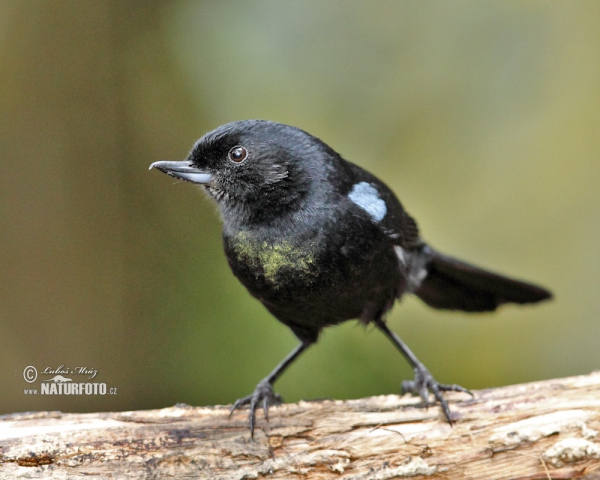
310 284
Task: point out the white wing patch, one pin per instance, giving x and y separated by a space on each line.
412 267
366 197
400 254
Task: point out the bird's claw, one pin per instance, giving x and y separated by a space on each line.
263 396
424 383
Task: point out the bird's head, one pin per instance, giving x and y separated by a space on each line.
254 169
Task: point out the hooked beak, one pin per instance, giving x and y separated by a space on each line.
183 170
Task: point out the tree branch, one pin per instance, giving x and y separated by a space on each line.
532 431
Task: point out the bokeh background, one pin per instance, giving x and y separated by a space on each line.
484 118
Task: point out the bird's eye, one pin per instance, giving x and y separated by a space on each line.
238 154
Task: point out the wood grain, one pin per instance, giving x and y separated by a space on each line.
538 430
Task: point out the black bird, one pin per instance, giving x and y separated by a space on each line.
318 240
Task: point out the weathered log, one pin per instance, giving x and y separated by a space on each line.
538 430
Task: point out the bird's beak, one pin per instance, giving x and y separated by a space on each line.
184 170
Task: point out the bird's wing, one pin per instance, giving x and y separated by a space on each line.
375 197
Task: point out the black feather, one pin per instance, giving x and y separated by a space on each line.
319 240
455 285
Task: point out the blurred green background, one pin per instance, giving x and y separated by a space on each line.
484 118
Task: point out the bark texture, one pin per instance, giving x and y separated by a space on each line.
538 430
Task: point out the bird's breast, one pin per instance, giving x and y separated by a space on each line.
266 263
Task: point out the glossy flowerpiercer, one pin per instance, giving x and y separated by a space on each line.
318 240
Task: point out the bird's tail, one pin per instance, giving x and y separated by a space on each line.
454 285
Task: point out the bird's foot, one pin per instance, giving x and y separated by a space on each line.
264 396
424 383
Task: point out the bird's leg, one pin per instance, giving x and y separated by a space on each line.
263 394
424 381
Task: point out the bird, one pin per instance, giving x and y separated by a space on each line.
319 241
